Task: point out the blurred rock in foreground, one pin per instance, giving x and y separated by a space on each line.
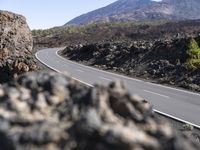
51 111
15 46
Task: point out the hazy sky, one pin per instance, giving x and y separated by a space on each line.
42 14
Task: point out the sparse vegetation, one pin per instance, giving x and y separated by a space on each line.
188 127
54 31
92 27
193 51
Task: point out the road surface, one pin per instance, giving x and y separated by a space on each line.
176 103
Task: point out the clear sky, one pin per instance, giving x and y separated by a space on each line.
41 14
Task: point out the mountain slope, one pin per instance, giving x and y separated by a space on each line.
138 10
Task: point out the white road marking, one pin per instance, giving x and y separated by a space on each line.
36 55
177 119
105 78
156 93
172 88
83 82
79 70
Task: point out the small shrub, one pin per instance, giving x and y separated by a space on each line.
188 127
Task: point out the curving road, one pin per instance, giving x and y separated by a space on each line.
175 103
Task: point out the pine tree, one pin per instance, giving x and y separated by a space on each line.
194 55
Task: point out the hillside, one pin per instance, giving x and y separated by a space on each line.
101 32
138 10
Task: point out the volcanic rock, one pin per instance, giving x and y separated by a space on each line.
52 111
15 46
15 34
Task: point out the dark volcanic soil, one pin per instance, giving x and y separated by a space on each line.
161 61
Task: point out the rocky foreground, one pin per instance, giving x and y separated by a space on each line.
52 111
161 61
15 46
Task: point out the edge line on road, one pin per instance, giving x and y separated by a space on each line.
36 55
177 119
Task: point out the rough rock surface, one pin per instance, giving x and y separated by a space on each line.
162 61
51 111
15 34
15 46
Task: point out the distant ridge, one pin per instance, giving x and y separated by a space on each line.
139 10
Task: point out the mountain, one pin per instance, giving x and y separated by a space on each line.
139 10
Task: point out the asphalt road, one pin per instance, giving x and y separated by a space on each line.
176 103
